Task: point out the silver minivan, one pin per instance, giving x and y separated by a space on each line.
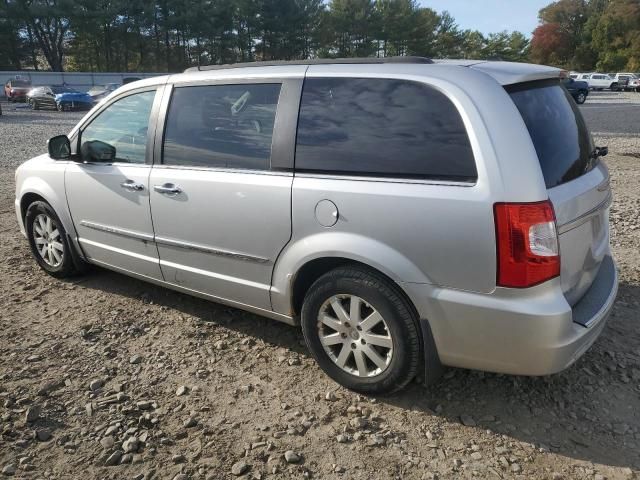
407 214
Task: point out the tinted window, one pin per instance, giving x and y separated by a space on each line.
123 125
558 131
21 83
226 126
381 127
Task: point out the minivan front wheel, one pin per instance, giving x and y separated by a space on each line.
361 330
48 240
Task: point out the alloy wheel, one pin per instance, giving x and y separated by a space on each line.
46 236
355 336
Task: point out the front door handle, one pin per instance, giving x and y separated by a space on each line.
132 186
167 189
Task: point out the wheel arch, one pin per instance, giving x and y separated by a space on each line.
34 188
305 260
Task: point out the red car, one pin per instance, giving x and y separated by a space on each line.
16 89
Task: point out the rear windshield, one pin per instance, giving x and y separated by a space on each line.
558 131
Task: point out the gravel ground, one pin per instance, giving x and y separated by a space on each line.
117 379
613 112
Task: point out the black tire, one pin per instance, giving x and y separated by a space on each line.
61 107
66 267
581 98
34 105
399 317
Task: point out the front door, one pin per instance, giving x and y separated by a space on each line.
109 202
221 213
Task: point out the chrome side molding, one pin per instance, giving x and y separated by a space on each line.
213 251
118 231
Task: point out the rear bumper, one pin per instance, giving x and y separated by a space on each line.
523 332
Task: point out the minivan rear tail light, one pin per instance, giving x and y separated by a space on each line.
527 244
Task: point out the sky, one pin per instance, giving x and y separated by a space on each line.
490 16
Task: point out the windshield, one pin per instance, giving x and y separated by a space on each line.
61 89
20 83
558 131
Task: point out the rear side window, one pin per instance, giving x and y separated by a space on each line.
381 127
557 128
223 126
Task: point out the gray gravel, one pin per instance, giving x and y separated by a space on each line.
24 133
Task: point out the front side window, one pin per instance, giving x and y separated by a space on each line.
381 127
123 125
222 126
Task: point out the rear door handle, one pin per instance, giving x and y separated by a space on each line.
167 189
132 186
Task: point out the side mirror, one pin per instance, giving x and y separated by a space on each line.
59 147
97 151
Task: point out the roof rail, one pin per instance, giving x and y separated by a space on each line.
316 61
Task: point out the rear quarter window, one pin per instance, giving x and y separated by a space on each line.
558 130
381 127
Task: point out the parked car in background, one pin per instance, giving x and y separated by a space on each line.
298 192
579 90
98 92
59 97
634 83
600 81
16 89
626 81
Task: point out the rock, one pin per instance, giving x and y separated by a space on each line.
181 476
114 458
476 456
376 440
599 476
33 413
43 435
190 422
135 359
342 438
291 457
95 384
220 345
358 422
126 458
467 420
179 458
144 405
515 468
182 390
330 396
239 468
457 463
9 470
107 442
49 386
130 445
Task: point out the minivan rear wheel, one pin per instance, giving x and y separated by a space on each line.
361 330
